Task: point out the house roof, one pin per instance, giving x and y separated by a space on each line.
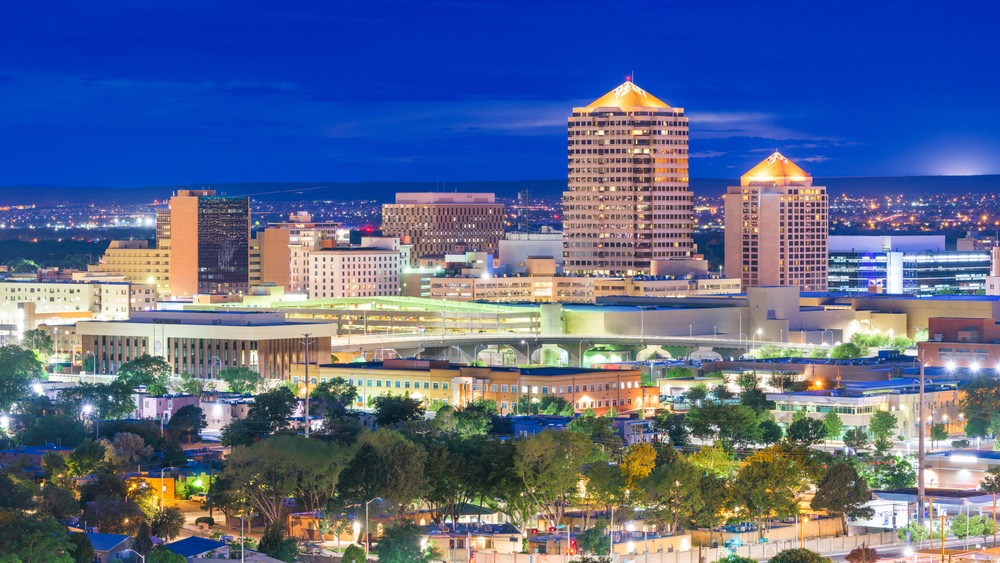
193 546
106 542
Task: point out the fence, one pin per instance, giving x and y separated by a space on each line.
757 551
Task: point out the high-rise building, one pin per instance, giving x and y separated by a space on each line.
354 272
776 227
627 202
209 242
280 253
444 223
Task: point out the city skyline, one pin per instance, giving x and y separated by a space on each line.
275 96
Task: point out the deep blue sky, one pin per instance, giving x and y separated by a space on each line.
168 91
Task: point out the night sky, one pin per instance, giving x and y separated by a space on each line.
146 93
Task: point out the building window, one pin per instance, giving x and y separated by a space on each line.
435 385
445 387
503 388
493 388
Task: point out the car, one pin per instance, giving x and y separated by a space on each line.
198 497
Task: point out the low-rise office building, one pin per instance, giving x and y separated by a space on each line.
439 381
904 265
196 342
968 344
138 263
857 402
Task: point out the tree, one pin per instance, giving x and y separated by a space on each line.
126 451
673 494
862 554
715 460
271 539
113 400
637 463
770 432
57 428
273 409
400 543
938 432
365 476
192 385
18 367
882 424
596 539
334 397
266 473
833 424
989 526
242 380
143 543
799 556
33 539
167 523
842 493
980 398
114 516
89 364
847 351
856 439
913 532
807 431
769 484
672 424
549 465
977 427
84 550
716 503
353 554
162 554
189 420
963 527
476 418
404 475
393 409
736 424
87 458
736 559
39 341
146 370
57 502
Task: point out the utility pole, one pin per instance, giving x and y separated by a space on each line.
920 449
308 342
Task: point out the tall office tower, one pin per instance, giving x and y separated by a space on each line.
444 223
210 243
627 202
776 227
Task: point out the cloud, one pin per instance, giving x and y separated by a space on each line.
706 154
720 125
817 158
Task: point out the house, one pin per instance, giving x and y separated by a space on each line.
106 546
194 546
249 557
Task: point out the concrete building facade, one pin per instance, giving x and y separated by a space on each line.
354 272
628 200
776 227
516 248
202 343
138 263
439 223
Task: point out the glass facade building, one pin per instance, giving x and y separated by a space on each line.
223 244
908 273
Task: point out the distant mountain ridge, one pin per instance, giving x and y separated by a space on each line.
385 191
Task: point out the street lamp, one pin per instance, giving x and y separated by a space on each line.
87 409
243 543
367 534
740 329
135 552
760 332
